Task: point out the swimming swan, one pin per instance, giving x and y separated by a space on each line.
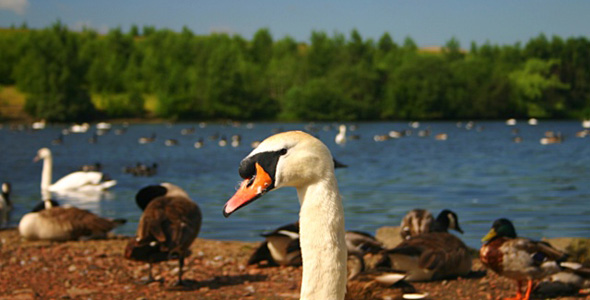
76 181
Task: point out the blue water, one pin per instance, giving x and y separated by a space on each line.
479 173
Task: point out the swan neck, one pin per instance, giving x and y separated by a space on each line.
323 247
46 173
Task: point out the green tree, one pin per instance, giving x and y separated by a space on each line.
51 73
531 82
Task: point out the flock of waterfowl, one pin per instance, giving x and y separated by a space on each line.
171 221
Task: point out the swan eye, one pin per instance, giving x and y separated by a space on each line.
283 151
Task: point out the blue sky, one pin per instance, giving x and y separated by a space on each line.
428 22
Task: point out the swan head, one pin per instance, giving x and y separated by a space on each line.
42 153
292 158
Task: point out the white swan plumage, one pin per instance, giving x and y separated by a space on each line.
91 181
340 138
300 160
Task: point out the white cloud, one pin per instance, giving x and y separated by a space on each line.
18 6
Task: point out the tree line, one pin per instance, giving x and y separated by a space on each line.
64 73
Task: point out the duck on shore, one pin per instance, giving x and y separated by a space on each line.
418 221
518 258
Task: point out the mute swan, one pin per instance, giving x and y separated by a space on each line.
168 226
64 223
300 160
340 138
76 181
517 258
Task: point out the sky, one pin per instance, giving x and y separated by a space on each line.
427 22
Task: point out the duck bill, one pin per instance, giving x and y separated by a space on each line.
250 189
489 236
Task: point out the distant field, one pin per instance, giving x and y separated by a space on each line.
12 103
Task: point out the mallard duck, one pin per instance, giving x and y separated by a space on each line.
428 256
168 226
418 221
517 258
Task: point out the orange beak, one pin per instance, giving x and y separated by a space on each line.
250 190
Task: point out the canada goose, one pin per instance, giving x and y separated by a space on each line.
76 181
429 256
441 137
171 142
5 203
418 221
93 139
568 282
141 169
147 140
381 137
199 144
59 140
340 138
302 161
281 247
551 138
236 140
64 223
517 258
168 226
120 131
46 205
222 141
187 131
95 167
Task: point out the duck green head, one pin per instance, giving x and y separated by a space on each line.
500 228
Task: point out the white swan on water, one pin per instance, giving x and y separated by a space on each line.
299 160
80 181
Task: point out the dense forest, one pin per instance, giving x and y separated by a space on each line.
81 75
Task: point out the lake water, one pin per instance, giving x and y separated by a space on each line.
480 173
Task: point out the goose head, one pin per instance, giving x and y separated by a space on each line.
292 158
448 219
42 153
151 192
